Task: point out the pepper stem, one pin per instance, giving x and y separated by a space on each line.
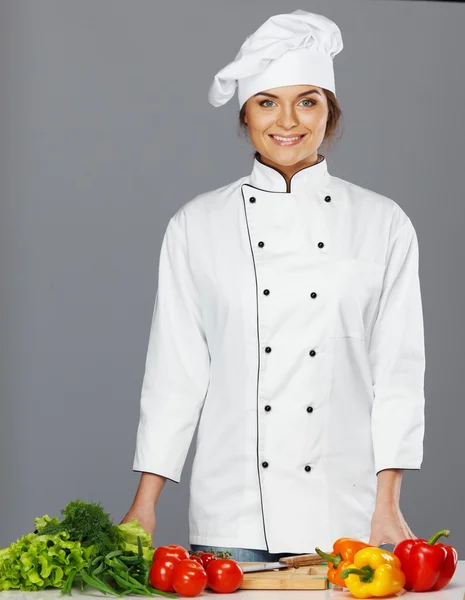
335 559
436 536
366 573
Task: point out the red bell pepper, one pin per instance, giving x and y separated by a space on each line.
427 566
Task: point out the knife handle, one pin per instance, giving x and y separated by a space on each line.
302 560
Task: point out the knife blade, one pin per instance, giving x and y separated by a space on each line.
298 560
264 567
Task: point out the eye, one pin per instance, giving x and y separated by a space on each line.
262 103
312 102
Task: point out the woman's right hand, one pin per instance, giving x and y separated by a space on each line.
143 506
145 515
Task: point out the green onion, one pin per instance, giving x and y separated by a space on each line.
99 569
114 553
98 584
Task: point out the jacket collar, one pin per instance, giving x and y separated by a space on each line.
307 179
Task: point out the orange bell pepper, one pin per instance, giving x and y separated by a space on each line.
344 550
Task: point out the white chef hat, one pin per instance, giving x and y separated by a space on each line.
288 49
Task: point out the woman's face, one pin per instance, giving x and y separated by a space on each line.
291 111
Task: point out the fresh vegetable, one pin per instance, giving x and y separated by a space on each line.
161 573
374 573
87 523
171 551
118 573
196 558
427 565
224 575
84 547
130 532
189 578
344 550
35 562
206 558
214 553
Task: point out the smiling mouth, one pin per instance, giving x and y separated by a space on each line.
281 140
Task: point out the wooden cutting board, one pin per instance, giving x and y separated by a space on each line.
300 578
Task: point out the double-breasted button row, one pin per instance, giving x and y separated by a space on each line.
267 293
265 465
252 199
262 244
268 350
309 408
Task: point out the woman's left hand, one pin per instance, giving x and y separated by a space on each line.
388 526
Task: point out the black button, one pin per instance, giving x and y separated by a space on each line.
313 295
261 244
312 352
308 468
267 408
268 349
320 244
264 465
266 292
310 409
252 199
328 199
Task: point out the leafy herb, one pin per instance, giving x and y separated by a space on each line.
87 523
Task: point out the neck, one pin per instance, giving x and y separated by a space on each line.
287 171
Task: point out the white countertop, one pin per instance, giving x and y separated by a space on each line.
454 591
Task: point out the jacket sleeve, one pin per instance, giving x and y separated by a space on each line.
177 365
397 357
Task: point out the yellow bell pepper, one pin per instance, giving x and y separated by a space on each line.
374 573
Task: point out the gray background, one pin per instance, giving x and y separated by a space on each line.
105 132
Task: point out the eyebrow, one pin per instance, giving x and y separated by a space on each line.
298 95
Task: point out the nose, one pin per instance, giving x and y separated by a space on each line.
287 118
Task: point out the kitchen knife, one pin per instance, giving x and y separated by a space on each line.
300 560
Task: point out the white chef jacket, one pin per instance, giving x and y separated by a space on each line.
289 321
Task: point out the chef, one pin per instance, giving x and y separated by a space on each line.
288 326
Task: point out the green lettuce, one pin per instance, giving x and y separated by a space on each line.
41 522
35 562
130 531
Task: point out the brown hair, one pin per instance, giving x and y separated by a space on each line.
332 124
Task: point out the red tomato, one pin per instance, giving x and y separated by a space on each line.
224 575
206 557
161 573
196 558
189 578
171 551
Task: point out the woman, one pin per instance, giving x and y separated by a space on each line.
288 319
